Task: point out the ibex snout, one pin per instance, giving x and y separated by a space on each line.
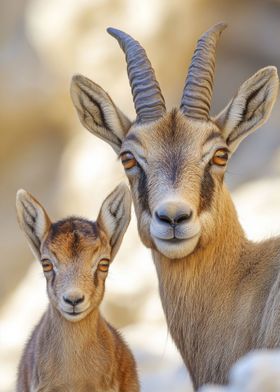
74 303
173 214
175 228
73 298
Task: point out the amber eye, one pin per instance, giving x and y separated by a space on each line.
220 157
128 160
104 265
47 265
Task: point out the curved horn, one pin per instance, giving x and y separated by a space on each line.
198 88
148 100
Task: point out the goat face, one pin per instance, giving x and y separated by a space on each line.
75 253
175 161
72 257
175 168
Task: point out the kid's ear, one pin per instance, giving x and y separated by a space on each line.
98 113
250 108
33 220
114 216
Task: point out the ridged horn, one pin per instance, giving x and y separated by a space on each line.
198 88
148 100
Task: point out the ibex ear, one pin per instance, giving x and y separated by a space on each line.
98 113
250 107
33 220
114 216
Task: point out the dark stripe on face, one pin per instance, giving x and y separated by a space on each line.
53 279
75 242
172 164
143 192
173 167
206 190
95 279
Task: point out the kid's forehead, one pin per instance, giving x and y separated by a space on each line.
72 237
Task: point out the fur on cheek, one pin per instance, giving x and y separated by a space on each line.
207 222
144 221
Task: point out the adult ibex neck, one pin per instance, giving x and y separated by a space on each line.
199 286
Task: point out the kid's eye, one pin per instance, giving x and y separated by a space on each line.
47 265
128 160
103 265
220 157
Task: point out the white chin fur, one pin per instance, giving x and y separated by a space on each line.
176 250
73 319
77 317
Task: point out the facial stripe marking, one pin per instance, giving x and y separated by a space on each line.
206 190
95 279
53 279
143 192
173 167
75 242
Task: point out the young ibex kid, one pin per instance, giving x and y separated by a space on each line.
73 348
219 291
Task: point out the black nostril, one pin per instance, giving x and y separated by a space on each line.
73 301
183 218
79 300
164 218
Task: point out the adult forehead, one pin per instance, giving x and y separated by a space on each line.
174 130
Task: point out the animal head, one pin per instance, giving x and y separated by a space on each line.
75 253
175 161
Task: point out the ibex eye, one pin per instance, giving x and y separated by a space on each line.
103 265
47 265
220 157
128 160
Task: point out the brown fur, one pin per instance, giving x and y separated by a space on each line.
220 301
86 356
87 353
219 291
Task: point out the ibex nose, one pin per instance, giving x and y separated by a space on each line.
73 299
173 213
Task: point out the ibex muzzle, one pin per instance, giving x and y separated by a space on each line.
174 226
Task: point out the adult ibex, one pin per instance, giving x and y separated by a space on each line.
73 348
219 291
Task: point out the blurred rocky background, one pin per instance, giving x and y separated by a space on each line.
46 151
